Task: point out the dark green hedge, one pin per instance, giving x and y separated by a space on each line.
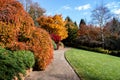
12 63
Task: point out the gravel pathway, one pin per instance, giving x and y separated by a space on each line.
59 69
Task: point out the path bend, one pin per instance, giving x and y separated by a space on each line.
59 69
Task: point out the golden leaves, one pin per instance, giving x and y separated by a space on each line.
54 24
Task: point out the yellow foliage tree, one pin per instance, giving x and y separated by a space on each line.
54 25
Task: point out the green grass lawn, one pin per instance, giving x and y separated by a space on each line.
94 66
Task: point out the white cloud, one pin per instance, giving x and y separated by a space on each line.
117 11
66 7
83 7
114 7
59 10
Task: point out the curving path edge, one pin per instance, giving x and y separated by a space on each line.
59 69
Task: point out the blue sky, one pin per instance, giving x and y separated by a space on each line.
77 9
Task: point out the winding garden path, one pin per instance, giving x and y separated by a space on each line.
59 69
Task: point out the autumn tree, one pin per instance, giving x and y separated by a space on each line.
90 31
82 27
94 33
112 34
88 35
35 11
83 33
33 8
54 25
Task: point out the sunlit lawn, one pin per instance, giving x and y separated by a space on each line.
94 66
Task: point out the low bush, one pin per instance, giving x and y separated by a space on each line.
85 41
97 49
60 45
115 53
13 63
112 43
54 45
25 57
56 38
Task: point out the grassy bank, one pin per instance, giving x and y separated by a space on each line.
94 66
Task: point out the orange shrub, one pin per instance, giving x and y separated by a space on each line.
17 32
7 34
41 44
11 11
